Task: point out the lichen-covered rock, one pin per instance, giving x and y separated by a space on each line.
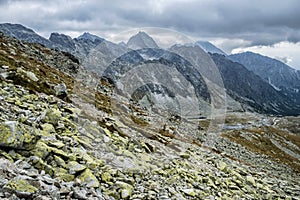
41 150
88 179
74 167
125 189
250 180
61 90
48 128
106 177
59 161
53 116
222 166
17 136
63 174
21 188
189 192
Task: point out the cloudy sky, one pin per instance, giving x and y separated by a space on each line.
264 26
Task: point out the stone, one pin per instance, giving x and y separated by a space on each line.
61 90
53 116
59 161
222 166
189 192
15 135
49 128
41 150
79 193
74 167
62 174
126 193
106 177
126 189
56 143
77 182
251 180
106 139
21 188
31 76
88 179
5 67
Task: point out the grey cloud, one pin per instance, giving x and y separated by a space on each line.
263 22
3 2
294 36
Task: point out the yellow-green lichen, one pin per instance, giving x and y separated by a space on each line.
89 179
21 186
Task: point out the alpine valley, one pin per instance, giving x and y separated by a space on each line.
87 118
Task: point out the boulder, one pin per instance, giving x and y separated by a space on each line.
61 90
16 136
88 179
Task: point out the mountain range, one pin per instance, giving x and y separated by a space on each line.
255 82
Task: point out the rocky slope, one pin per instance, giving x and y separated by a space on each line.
62 139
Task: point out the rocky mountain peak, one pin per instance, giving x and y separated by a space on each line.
89 36
23 33
65 42
141 40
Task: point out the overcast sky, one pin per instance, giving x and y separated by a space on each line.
265 26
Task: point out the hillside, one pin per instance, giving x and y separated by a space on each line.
63 138
281 76
247 87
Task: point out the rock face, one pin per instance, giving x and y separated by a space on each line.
83 148
64 42
132 59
